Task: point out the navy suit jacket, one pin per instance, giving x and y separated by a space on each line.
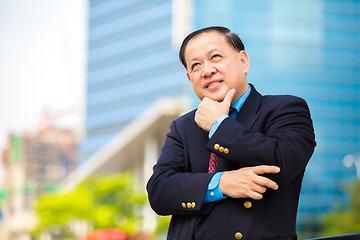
269 130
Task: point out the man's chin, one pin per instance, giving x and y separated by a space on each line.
218 98
214 99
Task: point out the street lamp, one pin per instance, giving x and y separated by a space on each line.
353 159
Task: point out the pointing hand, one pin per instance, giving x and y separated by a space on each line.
247 182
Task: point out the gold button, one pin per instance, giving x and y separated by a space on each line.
226 151
183 205
216 146
189 205
221 149
247 204
238 235
193 204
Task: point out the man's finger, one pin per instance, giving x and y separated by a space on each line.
229 97
265 182
262 169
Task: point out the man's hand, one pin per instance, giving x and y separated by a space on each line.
247 182
209 110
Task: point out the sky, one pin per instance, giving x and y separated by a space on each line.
42 63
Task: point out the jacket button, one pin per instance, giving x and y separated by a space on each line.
247 204
183 205
216 146
238 235
226 151
221 149
193 205
189 205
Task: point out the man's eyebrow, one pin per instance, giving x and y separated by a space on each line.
214 50
209 52
193 59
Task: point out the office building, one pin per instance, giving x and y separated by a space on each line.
306 48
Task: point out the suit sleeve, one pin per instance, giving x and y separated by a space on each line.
286 139
173 189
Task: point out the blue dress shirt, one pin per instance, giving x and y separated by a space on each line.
213 192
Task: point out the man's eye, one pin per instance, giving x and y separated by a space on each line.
194 65
216 55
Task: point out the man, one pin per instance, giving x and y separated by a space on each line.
231 174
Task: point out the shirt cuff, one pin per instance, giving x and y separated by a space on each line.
216 124
213 192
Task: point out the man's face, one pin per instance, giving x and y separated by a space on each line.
214 67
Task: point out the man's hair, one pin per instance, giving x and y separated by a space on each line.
233 39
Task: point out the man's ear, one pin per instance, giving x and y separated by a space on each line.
188 76
244 58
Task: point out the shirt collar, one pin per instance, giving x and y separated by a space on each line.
240 102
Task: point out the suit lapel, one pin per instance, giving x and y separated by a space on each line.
249 112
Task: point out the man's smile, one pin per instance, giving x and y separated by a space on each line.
213 84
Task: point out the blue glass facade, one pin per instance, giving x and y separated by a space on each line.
131 64
306 48
310 49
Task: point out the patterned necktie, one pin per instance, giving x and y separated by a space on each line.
214 159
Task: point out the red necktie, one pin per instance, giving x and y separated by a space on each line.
214 159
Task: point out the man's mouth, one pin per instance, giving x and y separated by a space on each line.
213 84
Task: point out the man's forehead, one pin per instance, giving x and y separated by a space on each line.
206 43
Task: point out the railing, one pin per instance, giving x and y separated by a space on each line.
352 236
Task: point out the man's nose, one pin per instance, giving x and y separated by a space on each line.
208 69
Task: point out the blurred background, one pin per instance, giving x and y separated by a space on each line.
88 90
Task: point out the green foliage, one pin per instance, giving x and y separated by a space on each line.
162 225
3 196
110 201
342 221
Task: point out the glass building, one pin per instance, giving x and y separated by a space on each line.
131 64
306 48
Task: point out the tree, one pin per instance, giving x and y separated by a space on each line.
110 201
342 221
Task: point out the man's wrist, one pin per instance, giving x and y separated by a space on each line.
213 192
